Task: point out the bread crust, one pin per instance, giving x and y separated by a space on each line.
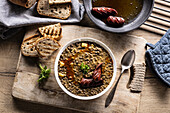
48 7
27 39
23 3
45 38
51 2
52 31
60 35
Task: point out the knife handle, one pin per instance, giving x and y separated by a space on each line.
112 93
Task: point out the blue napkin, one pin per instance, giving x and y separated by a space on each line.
13 17
158 57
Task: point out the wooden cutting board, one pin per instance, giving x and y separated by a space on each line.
26 86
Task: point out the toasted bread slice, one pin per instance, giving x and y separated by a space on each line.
28 46
51 2
51 31
60 11
24 3
46 46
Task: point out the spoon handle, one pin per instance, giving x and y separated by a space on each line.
112 93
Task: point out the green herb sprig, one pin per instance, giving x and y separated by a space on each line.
84 68
44 73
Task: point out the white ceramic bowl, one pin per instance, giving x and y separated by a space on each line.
90 40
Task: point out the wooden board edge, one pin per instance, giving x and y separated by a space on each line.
19 59
36 102
138 37
49 104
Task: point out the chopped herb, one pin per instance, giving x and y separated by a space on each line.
84 68
44 73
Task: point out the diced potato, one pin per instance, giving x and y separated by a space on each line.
71 64
61 64
92 45
61 75
84 45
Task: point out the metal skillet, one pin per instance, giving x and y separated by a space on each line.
138 21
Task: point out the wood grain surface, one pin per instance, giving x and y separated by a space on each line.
26 86
11 105
159 20
154 97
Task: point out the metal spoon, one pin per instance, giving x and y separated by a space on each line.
126 62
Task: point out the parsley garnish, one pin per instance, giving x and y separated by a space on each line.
44 73
84 68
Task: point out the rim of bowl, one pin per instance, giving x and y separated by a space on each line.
117 30
90 40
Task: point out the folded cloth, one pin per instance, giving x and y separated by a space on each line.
138 77
158 57
14 16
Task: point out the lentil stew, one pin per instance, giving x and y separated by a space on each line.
80 63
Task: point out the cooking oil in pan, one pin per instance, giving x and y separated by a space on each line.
128 9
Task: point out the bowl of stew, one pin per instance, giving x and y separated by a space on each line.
85 68
134 13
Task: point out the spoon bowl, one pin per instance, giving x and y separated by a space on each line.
128 59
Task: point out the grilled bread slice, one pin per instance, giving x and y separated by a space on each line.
51 31
51 2
24 3
60 11
46 46
28 46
